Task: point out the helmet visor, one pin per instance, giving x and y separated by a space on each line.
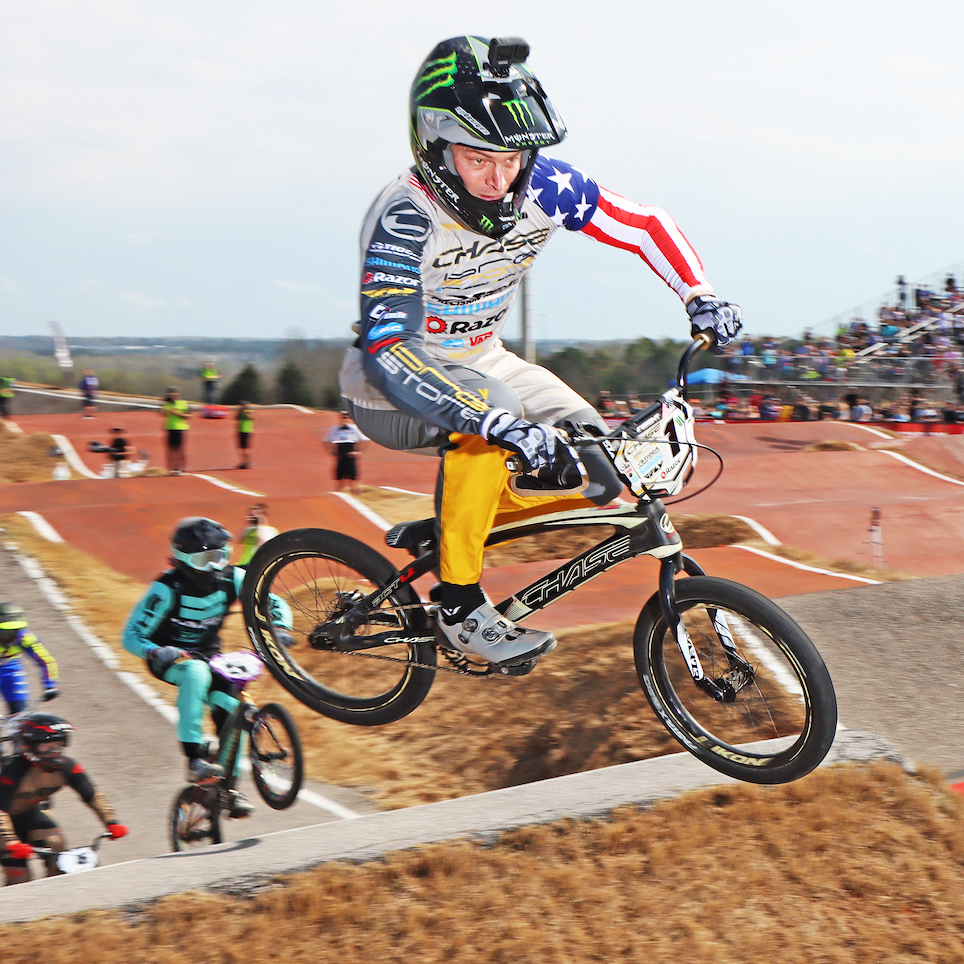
207 560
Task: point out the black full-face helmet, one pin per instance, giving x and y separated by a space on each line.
200 549
43 739
479 93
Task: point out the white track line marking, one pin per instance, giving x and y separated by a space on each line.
873 431
73 459
919 467
225 485
800 565
765 534
42 526
363 509
391 488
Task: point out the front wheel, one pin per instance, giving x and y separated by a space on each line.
321 578
277 766
778 714
196 818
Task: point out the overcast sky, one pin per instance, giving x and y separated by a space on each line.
202 166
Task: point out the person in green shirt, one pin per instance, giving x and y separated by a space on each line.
245 420
175 411
210 376
6 395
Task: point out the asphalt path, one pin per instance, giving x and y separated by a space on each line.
896 656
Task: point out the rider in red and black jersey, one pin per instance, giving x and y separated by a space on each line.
28 781
444 249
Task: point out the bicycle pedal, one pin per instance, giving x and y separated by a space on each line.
518 669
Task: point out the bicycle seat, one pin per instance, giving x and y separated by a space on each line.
411 535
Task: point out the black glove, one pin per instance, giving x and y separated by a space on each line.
719 318
163 657
51 692
536 445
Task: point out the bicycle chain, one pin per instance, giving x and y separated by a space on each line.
417 665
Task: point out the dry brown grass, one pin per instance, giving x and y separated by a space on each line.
834 445
25 458
854 864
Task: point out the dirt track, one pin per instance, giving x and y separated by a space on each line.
815 500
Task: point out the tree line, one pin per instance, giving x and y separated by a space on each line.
306 373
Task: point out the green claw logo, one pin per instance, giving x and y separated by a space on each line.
486 224
520 111
437 73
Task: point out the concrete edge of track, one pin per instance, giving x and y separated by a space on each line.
246 866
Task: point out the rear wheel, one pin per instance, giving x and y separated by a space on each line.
778 714
276 761
321 577
196 818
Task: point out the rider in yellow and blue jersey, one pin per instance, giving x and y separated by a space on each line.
16 640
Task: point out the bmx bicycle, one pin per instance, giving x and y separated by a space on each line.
274 749
731 676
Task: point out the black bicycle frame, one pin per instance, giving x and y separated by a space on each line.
644 529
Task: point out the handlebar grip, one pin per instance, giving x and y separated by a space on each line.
706 339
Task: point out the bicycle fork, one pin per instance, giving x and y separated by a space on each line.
722 689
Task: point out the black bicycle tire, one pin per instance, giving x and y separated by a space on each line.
195 795
388 707
285 800
819 699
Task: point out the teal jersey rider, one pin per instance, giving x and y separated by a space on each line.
176 628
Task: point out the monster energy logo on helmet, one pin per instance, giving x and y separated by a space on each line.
520 111
434 74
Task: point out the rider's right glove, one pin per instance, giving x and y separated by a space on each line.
116 830
19 851
720 318
536 445
163 657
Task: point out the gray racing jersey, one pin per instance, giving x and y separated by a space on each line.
435 294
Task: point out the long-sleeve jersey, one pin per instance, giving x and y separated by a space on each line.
25 642
434 293
175 612
23 786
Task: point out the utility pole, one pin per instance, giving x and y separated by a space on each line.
528 344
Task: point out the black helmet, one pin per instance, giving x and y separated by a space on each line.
43 737
479 93
201 548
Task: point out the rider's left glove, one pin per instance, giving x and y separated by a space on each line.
719 318
163 657
116 830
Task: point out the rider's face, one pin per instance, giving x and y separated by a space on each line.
487 175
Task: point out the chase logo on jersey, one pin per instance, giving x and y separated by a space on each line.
404 220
